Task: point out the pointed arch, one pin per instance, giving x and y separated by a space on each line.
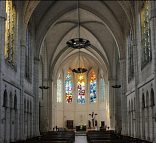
11 100
31 107
134 104
27 106
24 105
5 98
15 101
152 98
147 99
129 106
143 101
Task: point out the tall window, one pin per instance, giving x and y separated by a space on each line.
59 90
92 87
81 88
145 34
27 55
102 86
130 57
10 32
68 87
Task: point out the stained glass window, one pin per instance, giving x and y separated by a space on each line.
10 31
81 89
92 87
145 34
68 87
59 91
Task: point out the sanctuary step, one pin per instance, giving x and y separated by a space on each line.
80 133
80 139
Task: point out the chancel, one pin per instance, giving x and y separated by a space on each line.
77 71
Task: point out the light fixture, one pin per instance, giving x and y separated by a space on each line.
43 87
116 86
78 43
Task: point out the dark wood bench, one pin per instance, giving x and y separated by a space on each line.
52 137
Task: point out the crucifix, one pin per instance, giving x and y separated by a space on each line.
93 117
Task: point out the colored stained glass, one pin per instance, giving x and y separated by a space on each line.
68 88
81 89
146 34
10 31
92 87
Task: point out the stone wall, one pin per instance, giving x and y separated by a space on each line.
17 115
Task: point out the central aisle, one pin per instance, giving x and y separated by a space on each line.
80 139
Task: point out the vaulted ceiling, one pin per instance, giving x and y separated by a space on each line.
104 23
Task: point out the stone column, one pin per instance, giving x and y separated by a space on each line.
112 104
36 97
50 104
136 77
22 38
153 44
21 107
2 28
123 97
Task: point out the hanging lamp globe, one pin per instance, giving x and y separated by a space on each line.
79 70
78 43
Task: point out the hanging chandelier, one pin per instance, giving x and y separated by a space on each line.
78 43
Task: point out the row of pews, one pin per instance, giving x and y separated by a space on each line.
53 137
111 137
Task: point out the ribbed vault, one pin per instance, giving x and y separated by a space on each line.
104 23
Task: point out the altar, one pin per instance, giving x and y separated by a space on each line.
81 128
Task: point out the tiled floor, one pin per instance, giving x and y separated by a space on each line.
80 139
